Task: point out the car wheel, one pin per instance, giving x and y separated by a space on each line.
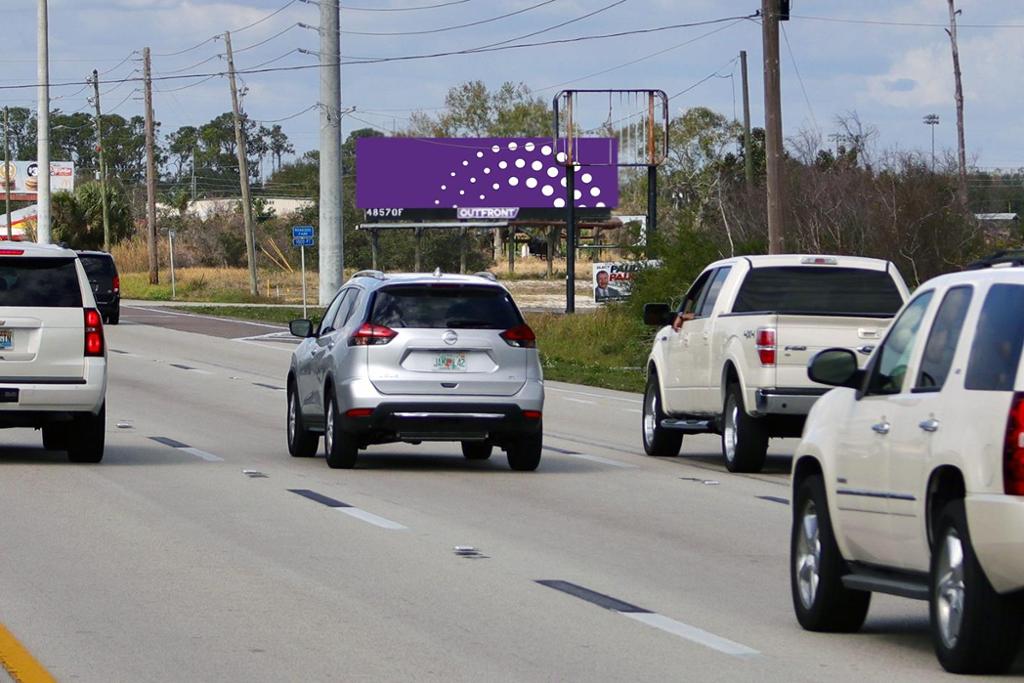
302 443
55 437
975 629
86 436
339 446
524 453
657 440
820 600
744 438
476 450
115 317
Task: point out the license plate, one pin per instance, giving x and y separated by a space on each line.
450 362
6 340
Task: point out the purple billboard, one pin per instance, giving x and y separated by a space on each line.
458 173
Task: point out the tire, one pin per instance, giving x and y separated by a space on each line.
657 440
55 437
524 454
476 450
744 438
86 436
820 600
339 446
302 443
985 638
115 317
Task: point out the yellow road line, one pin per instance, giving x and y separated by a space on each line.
19 662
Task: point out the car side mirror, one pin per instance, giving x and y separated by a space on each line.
658 315
301 328
835 367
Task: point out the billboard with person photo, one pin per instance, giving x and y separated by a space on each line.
613 280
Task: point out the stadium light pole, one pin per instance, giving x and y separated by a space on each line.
932 120
43 130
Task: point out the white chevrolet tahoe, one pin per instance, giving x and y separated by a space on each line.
737 363
910 477
53 362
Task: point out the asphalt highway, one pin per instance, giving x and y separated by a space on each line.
198 550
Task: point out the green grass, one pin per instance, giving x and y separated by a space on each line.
265 314
604 348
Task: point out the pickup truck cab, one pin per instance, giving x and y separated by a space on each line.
732 359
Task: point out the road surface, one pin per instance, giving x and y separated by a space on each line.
199 550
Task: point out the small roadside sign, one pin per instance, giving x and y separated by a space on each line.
302 231
302 241
302 237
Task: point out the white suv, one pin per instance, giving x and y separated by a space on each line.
909 479
417 358
53 363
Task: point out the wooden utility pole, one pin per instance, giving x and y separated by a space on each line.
748 161
154 264
961 151
103 168
7 173
243 171
773 124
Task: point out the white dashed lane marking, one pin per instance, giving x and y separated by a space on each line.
349 510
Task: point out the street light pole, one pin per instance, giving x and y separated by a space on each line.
43 130
932 120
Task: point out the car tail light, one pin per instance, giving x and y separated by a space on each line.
93 332
117 284
532 414
1013 449
765 344
520 336
372 335
359 412
11 252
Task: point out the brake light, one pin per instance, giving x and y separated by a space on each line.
117 284
11 252
359 412
372 335
520 336
532 414
1013 449
93 332
765 344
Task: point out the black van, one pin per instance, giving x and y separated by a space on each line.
106 284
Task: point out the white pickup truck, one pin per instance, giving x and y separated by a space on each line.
737 364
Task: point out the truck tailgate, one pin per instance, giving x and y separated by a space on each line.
801 336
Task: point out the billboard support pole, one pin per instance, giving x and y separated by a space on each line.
374 248
7 174
43 129
570 238
462 251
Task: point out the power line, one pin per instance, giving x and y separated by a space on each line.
880 22
557 26
401 9
218 36
118 65
265 40
448 28
275 59
796 69
187 49
286 118
260 21
186 87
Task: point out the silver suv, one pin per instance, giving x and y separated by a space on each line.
417 358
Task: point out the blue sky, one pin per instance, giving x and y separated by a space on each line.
889 74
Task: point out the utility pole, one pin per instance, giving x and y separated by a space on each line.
332 254
7 173
103 168
961 151
43 130
243 171
773 124
154 265
748 161
193 173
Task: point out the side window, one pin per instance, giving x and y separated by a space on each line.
713 291
347 306
327 323
890 366
997 341
695 292
942 340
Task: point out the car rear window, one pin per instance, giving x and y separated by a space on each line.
97 266
39 282
819 291
997 340
445 306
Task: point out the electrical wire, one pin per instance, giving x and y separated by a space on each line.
799 79
265 40
186 87
190 66
187 49
560 25
291 116
269 16
118 66
879 22
402 9
448 28
275 59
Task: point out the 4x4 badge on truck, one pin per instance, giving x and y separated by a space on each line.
449 337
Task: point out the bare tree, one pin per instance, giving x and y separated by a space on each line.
961 153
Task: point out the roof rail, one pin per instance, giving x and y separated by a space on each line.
1003 257
375 274
487 275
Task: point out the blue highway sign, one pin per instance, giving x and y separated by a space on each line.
302 231
302 241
